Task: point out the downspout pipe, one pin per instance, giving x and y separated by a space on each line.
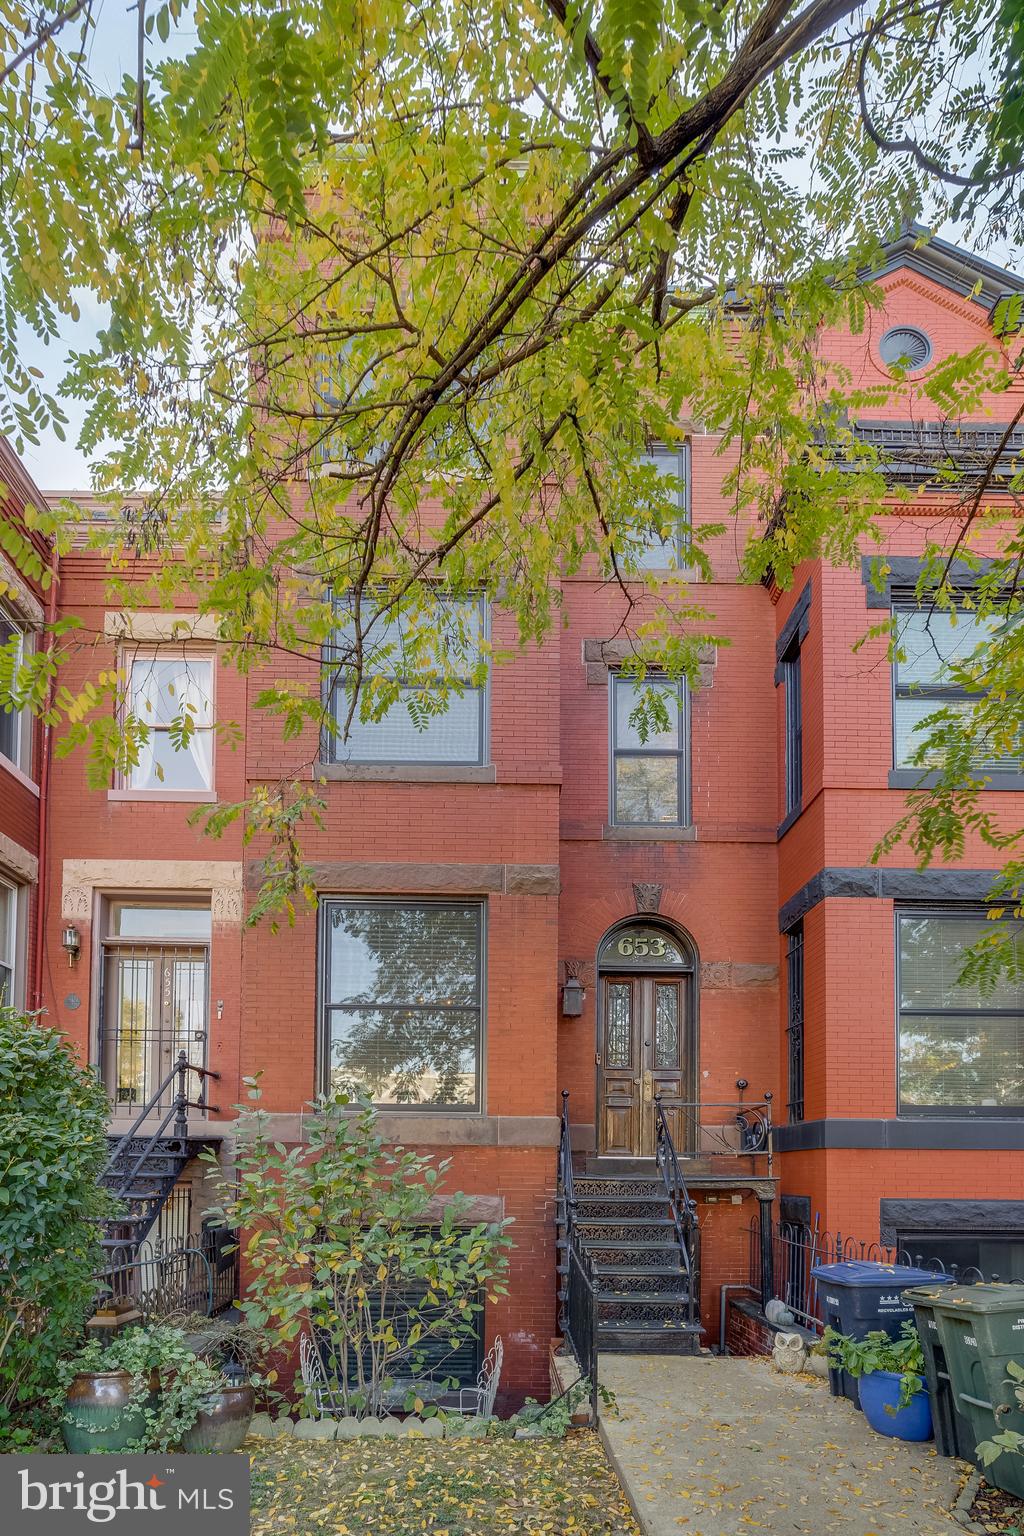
42 881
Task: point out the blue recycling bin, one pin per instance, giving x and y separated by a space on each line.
860 1297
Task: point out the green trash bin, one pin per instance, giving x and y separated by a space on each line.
954 1435
981 1328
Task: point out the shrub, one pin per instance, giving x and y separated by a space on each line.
878 1352
345 1237
53 1116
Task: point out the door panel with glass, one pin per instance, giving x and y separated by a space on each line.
641 1057
155 1004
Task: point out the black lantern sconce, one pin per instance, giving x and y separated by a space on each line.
573 991
71 942
572 998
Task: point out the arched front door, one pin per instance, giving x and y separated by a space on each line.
645 1038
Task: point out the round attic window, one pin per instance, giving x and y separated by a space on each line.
904 346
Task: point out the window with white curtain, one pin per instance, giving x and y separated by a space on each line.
172 696
961 1049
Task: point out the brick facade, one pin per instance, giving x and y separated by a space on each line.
532 840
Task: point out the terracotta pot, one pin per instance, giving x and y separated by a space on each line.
223 1421
98 1414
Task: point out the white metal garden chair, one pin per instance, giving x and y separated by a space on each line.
478 1401
322 1396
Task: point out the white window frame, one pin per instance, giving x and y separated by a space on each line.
129 656
21 760
333 751
11 943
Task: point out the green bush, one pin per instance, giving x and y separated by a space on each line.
347 1236
53 1116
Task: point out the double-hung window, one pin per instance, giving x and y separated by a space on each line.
665 538
650 777
402 988
789 669
431 718
961 1050
930 641
15 724
172 696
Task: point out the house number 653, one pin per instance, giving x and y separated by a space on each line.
641 944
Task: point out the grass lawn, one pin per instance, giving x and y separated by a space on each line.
442 1487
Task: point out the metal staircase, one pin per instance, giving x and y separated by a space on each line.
144 1165
637 1228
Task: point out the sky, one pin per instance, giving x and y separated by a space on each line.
60 466
57 466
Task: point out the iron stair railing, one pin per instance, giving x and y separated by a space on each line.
681 1205
122 1169
578 1316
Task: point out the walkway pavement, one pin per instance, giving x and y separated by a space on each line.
729 1447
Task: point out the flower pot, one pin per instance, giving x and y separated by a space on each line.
879 1392
99 1414
223 1421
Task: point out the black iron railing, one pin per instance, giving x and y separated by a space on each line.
796 1249
581 1314
157 1278
122 1167
728 1128
578 1312
681 1205
566 1187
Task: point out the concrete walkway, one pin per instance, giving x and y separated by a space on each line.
729 1447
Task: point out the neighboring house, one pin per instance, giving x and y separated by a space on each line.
23 604
711 889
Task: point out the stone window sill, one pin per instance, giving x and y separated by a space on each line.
914 778
649 834
409 773
164 796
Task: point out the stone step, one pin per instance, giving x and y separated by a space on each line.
610 1302
617 1280
655 1337
620 1229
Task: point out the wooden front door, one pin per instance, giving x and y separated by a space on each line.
641 1054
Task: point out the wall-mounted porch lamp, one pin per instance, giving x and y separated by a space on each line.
573 994
71 943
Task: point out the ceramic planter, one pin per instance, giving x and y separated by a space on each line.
98 1413
223 1421
879 1392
